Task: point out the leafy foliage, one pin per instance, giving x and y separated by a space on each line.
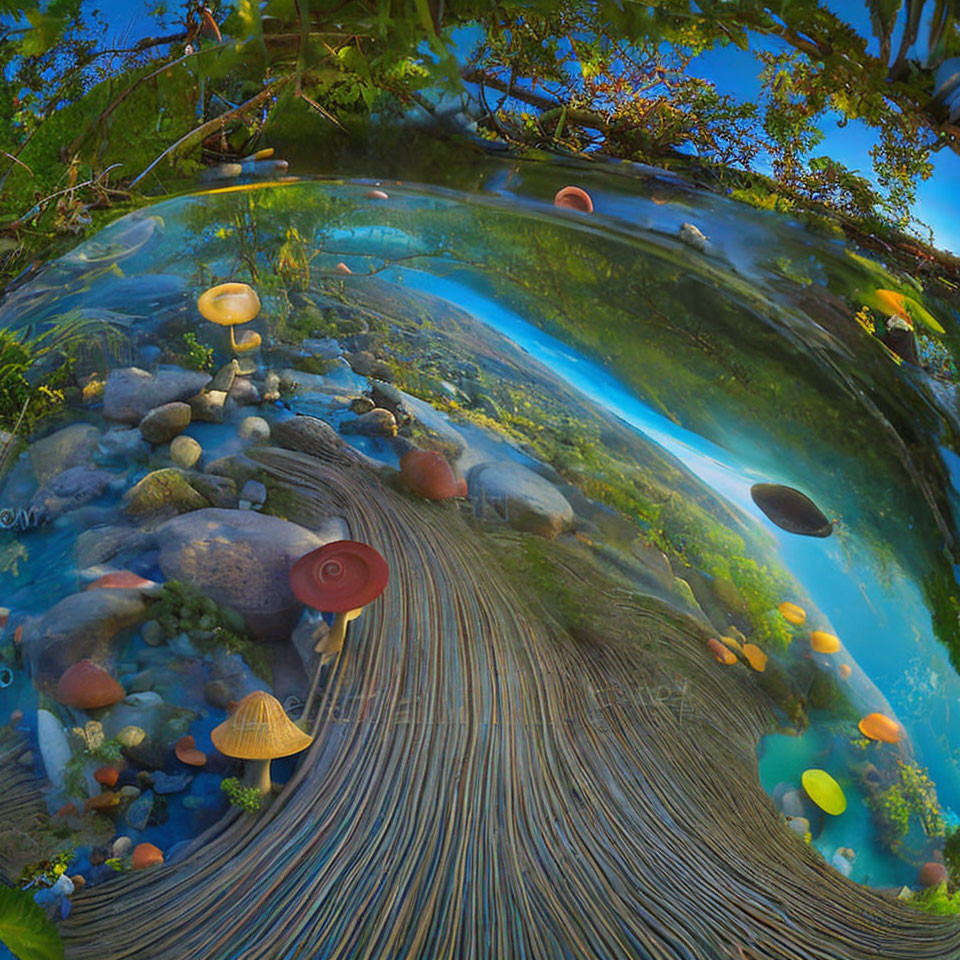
25 929
247 799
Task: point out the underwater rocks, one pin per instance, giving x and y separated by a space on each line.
209 406
220 491
791 510
254 428
54 747
100 544
131 393
521 497
239 559
70 447
70 489
163 423
164 491
376 423
185 452
80 626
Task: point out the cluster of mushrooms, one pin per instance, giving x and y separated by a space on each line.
341 578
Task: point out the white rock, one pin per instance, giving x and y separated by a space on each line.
254 428
185 451
54 747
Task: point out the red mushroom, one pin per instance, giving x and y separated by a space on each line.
87 687
106 776
574 198
120 580
428 475
341 578
187 752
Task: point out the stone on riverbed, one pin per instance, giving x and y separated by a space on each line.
138 813
209 406
70 489
240 559
791 510
54 747
254 428
70 447
164 491
220 491
80 626
377 423
131 393
521 497
185 452
163 423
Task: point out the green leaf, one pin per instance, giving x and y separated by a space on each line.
45 33
25 929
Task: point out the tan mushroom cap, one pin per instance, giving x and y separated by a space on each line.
259 729
229 304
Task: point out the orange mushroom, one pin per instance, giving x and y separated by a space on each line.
146 855
824 642
720 653
341 267
377 195
755 657
734 645
428 475
844 670
187 752
259 729
793 613
120 580
932 874
229 305
574 199
878 726
87 687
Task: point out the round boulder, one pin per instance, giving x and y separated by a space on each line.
163 423
241 559
521 497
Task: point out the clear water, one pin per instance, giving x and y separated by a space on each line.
651 381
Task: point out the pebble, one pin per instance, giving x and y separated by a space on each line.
138 813
208 406
693 236
185 451
130 792
121 847
170 783
243 392
361 405
224 378
271 387
254 428
254 492
152 633
163 423
377 423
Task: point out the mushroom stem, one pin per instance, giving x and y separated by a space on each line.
329 647
233 340
259 775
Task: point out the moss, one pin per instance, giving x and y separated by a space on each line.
937 900
247 799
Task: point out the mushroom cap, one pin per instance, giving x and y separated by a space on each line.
428 475
931 874
755 657
87 686
339 577
120 580
793 613
259 729
878 726
824 791
720 653
146 855
844 670
229 304
574 198
824 642
187 752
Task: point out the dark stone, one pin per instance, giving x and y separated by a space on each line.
791 510
902 342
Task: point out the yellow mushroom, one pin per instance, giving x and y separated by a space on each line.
824 642
755 657
229 305
793 613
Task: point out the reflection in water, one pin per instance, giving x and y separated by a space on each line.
647 506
